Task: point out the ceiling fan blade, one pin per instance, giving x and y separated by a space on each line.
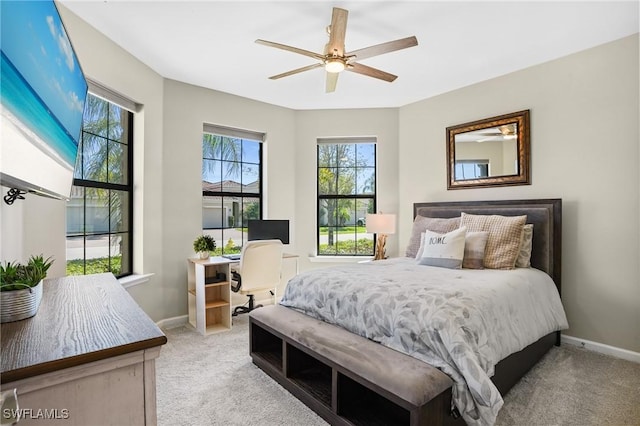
296 71
371 72
332 80
291 49
338 31
490 138
379 49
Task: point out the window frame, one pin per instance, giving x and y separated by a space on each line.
476 163
241 136
127 188
319 197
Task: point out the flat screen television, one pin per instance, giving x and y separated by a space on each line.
42 99
268 230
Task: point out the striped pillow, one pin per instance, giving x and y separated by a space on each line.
474 246
505 234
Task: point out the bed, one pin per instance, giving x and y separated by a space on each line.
358 342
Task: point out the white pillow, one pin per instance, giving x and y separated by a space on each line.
444 250
421 249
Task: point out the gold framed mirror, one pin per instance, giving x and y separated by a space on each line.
490 152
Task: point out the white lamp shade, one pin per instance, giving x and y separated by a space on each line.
381 223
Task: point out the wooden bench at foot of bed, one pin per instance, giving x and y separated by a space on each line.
343 377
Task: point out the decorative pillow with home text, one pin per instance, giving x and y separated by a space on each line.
443 250
435 224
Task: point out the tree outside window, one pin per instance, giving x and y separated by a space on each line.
346 193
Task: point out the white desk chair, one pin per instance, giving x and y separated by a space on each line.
260 270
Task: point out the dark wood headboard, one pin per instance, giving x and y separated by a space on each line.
544 214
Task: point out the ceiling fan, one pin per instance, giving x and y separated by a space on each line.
503 132
335 59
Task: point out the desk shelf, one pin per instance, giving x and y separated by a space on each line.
209 302
216 304
222 283
209 292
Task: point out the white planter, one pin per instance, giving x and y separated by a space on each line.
17 305
203 254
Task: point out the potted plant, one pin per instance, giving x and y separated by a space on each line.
21 288
203 245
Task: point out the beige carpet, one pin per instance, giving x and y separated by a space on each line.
212 381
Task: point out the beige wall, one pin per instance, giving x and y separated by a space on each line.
584 117
311 125
584 149
492 151
186 108
26 231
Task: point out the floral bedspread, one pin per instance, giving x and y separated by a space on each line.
460 321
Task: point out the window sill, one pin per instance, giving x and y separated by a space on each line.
339 259
134 280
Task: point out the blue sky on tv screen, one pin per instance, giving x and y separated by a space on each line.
34 40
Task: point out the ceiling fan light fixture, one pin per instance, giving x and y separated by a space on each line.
334 65
336 59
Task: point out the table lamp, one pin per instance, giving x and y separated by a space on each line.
383 225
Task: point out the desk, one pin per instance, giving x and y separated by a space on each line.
209 292
90 350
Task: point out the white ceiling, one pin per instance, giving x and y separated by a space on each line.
211 43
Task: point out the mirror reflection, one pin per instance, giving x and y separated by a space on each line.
490 152
487 152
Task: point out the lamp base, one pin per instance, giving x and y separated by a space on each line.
380 251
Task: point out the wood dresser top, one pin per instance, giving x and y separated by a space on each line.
81 319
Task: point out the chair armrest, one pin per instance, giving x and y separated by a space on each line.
235 276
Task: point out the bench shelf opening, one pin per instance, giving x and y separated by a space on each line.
362 406
266 346
310 374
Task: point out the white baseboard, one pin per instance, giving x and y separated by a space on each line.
602 348
173 322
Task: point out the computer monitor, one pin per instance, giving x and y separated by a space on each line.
268 230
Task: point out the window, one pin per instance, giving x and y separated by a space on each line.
471 169
100 211
346 193
231 185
